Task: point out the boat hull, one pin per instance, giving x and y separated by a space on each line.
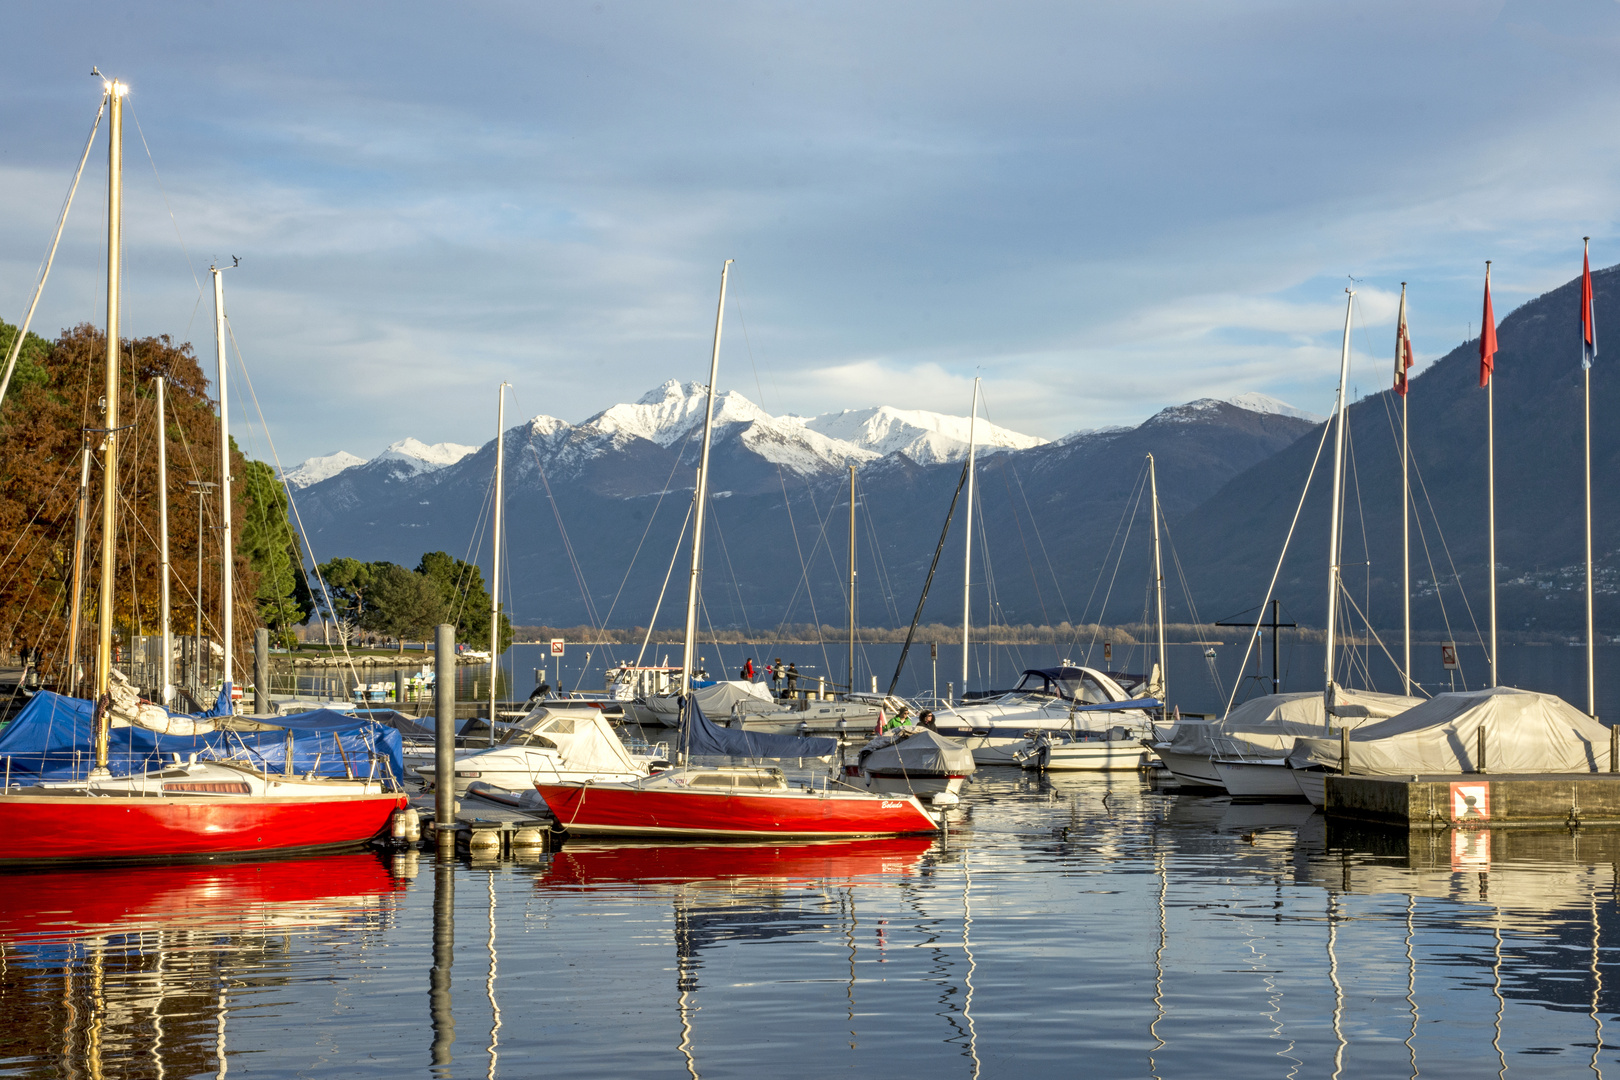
627 810
67 828
1191 770
1099 755
1312 784
1257 779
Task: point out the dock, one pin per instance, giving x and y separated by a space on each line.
485 829
1470 800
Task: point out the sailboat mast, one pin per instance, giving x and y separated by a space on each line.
1490 470
1586 372
967 548
495 559
1158 582
166 669
226 548
1335 515
852 579
109 445
1406 505
702 492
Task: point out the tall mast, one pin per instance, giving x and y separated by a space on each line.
495 558
1158 583
227 549
1406 504
109 446
702 492
167 667
852 579
1588 354
1335 514
1490 466
967 548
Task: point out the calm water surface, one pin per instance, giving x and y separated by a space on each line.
1088 926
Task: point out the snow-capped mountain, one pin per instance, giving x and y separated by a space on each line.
422 457
927 438
316 469
1262 403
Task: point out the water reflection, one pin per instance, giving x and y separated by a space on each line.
115 972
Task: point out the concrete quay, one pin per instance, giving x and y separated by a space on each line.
1471 800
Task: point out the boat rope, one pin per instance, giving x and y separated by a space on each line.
1128 522
1270 588
675 555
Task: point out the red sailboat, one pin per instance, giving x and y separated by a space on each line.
95 821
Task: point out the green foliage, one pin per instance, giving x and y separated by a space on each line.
466 599
348 585
31 369
403 604
271 547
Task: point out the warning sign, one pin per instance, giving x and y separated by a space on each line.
556 646
1470 802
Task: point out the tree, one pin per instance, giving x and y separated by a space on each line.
348 585
466 599
403 603
273 550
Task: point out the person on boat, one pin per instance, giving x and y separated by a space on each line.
776 676
927 719
748 670
792 679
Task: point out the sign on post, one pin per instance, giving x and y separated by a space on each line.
1108 652
556 646
1448 657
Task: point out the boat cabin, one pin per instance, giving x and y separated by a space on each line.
1080 685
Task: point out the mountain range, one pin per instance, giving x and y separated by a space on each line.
595 509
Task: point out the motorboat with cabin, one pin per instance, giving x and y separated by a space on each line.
555 745
1047 700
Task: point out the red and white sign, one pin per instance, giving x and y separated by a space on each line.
1448 657
556 646
1471 849
1471 802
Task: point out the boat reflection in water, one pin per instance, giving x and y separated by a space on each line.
122 971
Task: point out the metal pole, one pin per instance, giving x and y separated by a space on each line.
1406 510
166 669
1276 681
1490 472
227 549
1158 585
1591 637
702 493
967 547
444 740
261 670
495 559
1334 515
109 469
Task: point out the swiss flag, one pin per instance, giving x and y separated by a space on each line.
1487 335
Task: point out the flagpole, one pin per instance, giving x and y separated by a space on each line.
1586 372
1406 503
1490 467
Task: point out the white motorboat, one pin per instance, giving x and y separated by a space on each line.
1045 700
1084 750
554 746
1259 778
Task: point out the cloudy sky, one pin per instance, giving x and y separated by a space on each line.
1102 208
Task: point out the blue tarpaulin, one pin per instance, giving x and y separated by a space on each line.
699 736
53 738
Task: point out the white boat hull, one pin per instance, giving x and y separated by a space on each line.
1098 755
1257 779
1191 770
1312 784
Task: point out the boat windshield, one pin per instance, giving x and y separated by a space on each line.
1072 685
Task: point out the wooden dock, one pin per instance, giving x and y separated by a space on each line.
1468 800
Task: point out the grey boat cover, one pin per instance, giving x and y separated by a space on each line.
920 752
1267 726
1525 732
717 700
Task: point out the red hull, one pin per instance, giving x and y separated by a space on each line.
52 828
623 809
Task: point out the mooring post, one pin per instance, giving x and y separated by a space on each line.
1344 751
261 671
1480 764
444 744
399 688
440 1010
1614 749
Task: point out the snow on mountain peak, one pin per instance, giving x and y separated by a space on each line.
671 412
1263 403
925 437
422 457
316 469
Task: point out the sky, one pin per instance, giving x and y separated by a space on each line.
1102 209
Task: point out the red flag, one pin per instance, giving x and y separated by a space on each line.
1403 348
1487 335
1588 325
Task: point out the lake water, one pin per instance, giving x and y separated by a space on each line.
1092 926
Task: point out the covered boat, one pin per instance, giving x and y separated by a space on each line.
1519 731
913 761
1264 729
717 699
551 744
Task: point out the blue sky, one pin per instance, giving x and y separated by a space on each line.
1102 208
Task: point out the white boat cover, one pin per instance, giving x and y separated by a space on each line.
717 700
1525 732
1267 726
585 741
920 752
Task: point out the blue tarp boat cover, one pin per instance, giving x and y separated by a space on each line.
699 736
53 738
